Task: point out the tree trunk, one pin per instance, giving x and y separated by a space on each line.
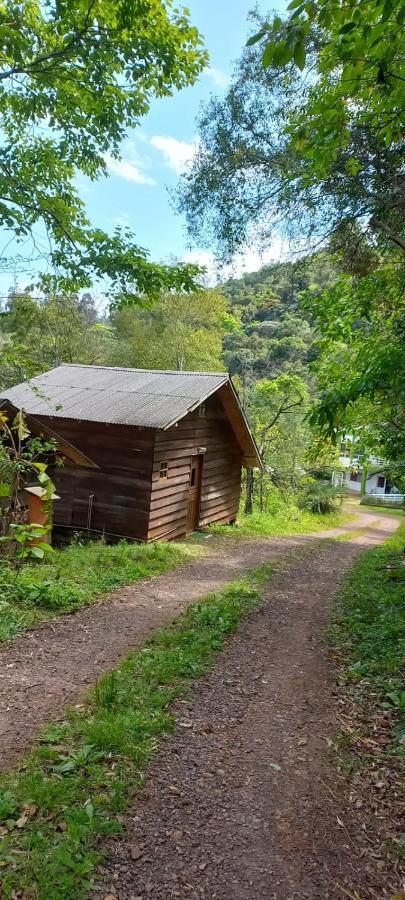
382 226
261 488
250 483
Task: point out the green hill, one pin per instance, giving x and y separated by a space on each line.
276 334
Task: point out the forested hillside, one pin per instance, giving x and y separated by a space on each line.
276 335
254 326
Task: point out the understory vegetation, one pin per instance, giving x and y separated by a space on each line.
75 576
282 518
371 627
370 638
81 777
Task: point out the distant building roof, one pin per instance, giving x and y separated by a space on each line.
148 398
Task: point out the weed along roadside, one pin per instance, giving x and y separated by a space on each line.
79 780
79 575
63 805
368 637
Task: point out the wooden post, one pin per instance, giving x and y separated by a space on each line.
39 511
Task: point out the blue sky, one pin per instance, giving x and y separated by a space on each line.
136 191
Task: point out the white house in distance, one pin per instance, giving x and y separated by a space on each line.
351 475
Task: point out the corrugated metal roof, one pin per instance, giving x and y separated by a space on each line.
143 397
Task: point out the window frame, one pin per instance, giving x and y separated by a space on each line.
163 470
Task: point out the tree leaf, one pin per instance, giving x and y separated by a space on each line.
255 38
268 53
20 426
300 55
37 552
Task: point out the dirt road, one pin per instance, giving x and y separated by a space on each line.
243 802
46 669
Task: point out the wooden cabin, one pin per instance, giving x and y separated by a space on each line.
147 454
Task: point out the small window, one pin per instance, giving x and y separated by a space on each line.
355 476
381 481
202 412
163 470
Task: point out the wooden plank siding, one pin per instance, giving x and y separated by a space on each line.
221 472
121 486
126 495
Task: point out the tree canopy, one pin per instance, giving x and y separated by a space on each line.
309 142
303 152
179 331
74 76
360 362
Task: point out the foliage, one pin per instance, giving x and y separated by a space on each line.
320 498
317 155
305 154
274 347
358 74
78 782
26 541
38 334
370 626
276 409
281 517
179 331
360 360
74 577
273 400
20 463
74 78
275 334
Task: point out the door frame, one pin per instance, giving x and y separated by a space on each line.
200 457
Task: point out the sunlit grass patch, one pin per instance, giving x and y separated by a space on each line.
77 575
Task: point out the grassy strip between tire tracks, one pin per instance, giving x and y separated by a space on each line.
79 780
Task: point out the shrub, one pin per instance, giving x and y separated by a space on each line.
320 498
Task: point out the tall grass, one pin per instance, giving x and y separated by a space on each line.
371 625
74 577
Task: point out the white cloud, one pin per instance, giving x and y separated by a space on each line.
219 78
176 154
249 260
123 220
126 168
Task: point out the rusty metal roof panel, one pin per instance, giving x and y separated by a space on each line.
145 398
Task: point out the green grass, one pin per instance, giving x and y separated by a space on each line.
380 508
288 520
74 577
371 626
79 574
81 778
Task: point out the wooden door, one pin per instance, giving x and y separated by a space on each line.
194 492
